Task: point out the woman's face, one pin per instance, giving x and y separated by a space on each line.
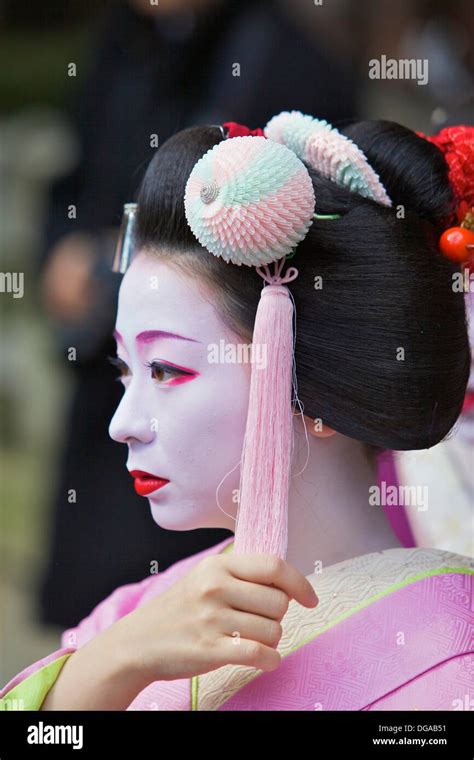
182 414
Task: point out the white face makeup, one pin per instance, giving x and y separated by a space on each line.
184 422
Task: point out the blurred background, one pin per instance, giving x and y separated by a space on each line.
87 93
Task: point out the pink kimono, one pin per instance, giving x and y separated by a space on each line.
393 630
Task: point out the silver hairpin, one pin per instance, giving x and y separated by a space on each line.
125 239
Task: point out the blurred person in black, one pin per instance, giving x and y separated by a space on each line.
155 69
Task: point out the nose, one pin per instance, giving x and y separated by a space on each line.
130 421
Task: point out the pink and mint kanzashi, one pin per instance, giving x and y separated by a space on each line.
249 200
328 151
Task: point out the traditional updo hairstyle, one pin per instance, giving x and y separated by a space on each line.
382 352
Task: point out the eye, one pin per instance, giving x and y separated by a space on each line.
120 365
163 372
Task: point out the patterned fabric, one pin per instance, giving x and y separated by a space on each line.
351 657
365 657
365 590
27 692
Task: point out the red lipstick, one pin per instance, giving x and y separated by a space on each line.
146 483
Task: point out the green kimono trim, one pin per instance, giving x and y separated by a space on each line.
30 693
348 613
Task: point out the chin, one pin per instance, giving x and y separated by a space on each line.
170 517
167 521
171 513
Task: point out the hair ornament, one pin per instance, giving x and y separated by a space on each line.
457 243
329 152
249 200
457 145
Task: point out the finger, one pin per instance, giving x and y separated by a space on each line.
247 652
272 571
256 598
245 625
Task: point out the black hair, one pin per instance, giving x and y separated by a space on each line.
382 352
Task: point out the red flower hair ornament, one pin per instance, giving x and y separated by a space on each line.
457 146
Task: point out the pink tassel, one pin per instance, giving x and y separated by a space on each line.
262 518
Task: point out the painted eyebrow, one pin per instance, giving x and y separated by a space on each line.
148 336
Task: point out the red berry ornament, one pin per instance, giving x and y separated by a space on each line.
457 244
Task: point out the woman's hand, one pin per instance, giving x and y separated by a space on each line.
226 610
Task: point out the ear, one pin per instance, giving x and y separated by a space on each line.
316 428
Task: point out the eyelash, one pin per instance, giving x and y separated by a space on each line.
153 366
